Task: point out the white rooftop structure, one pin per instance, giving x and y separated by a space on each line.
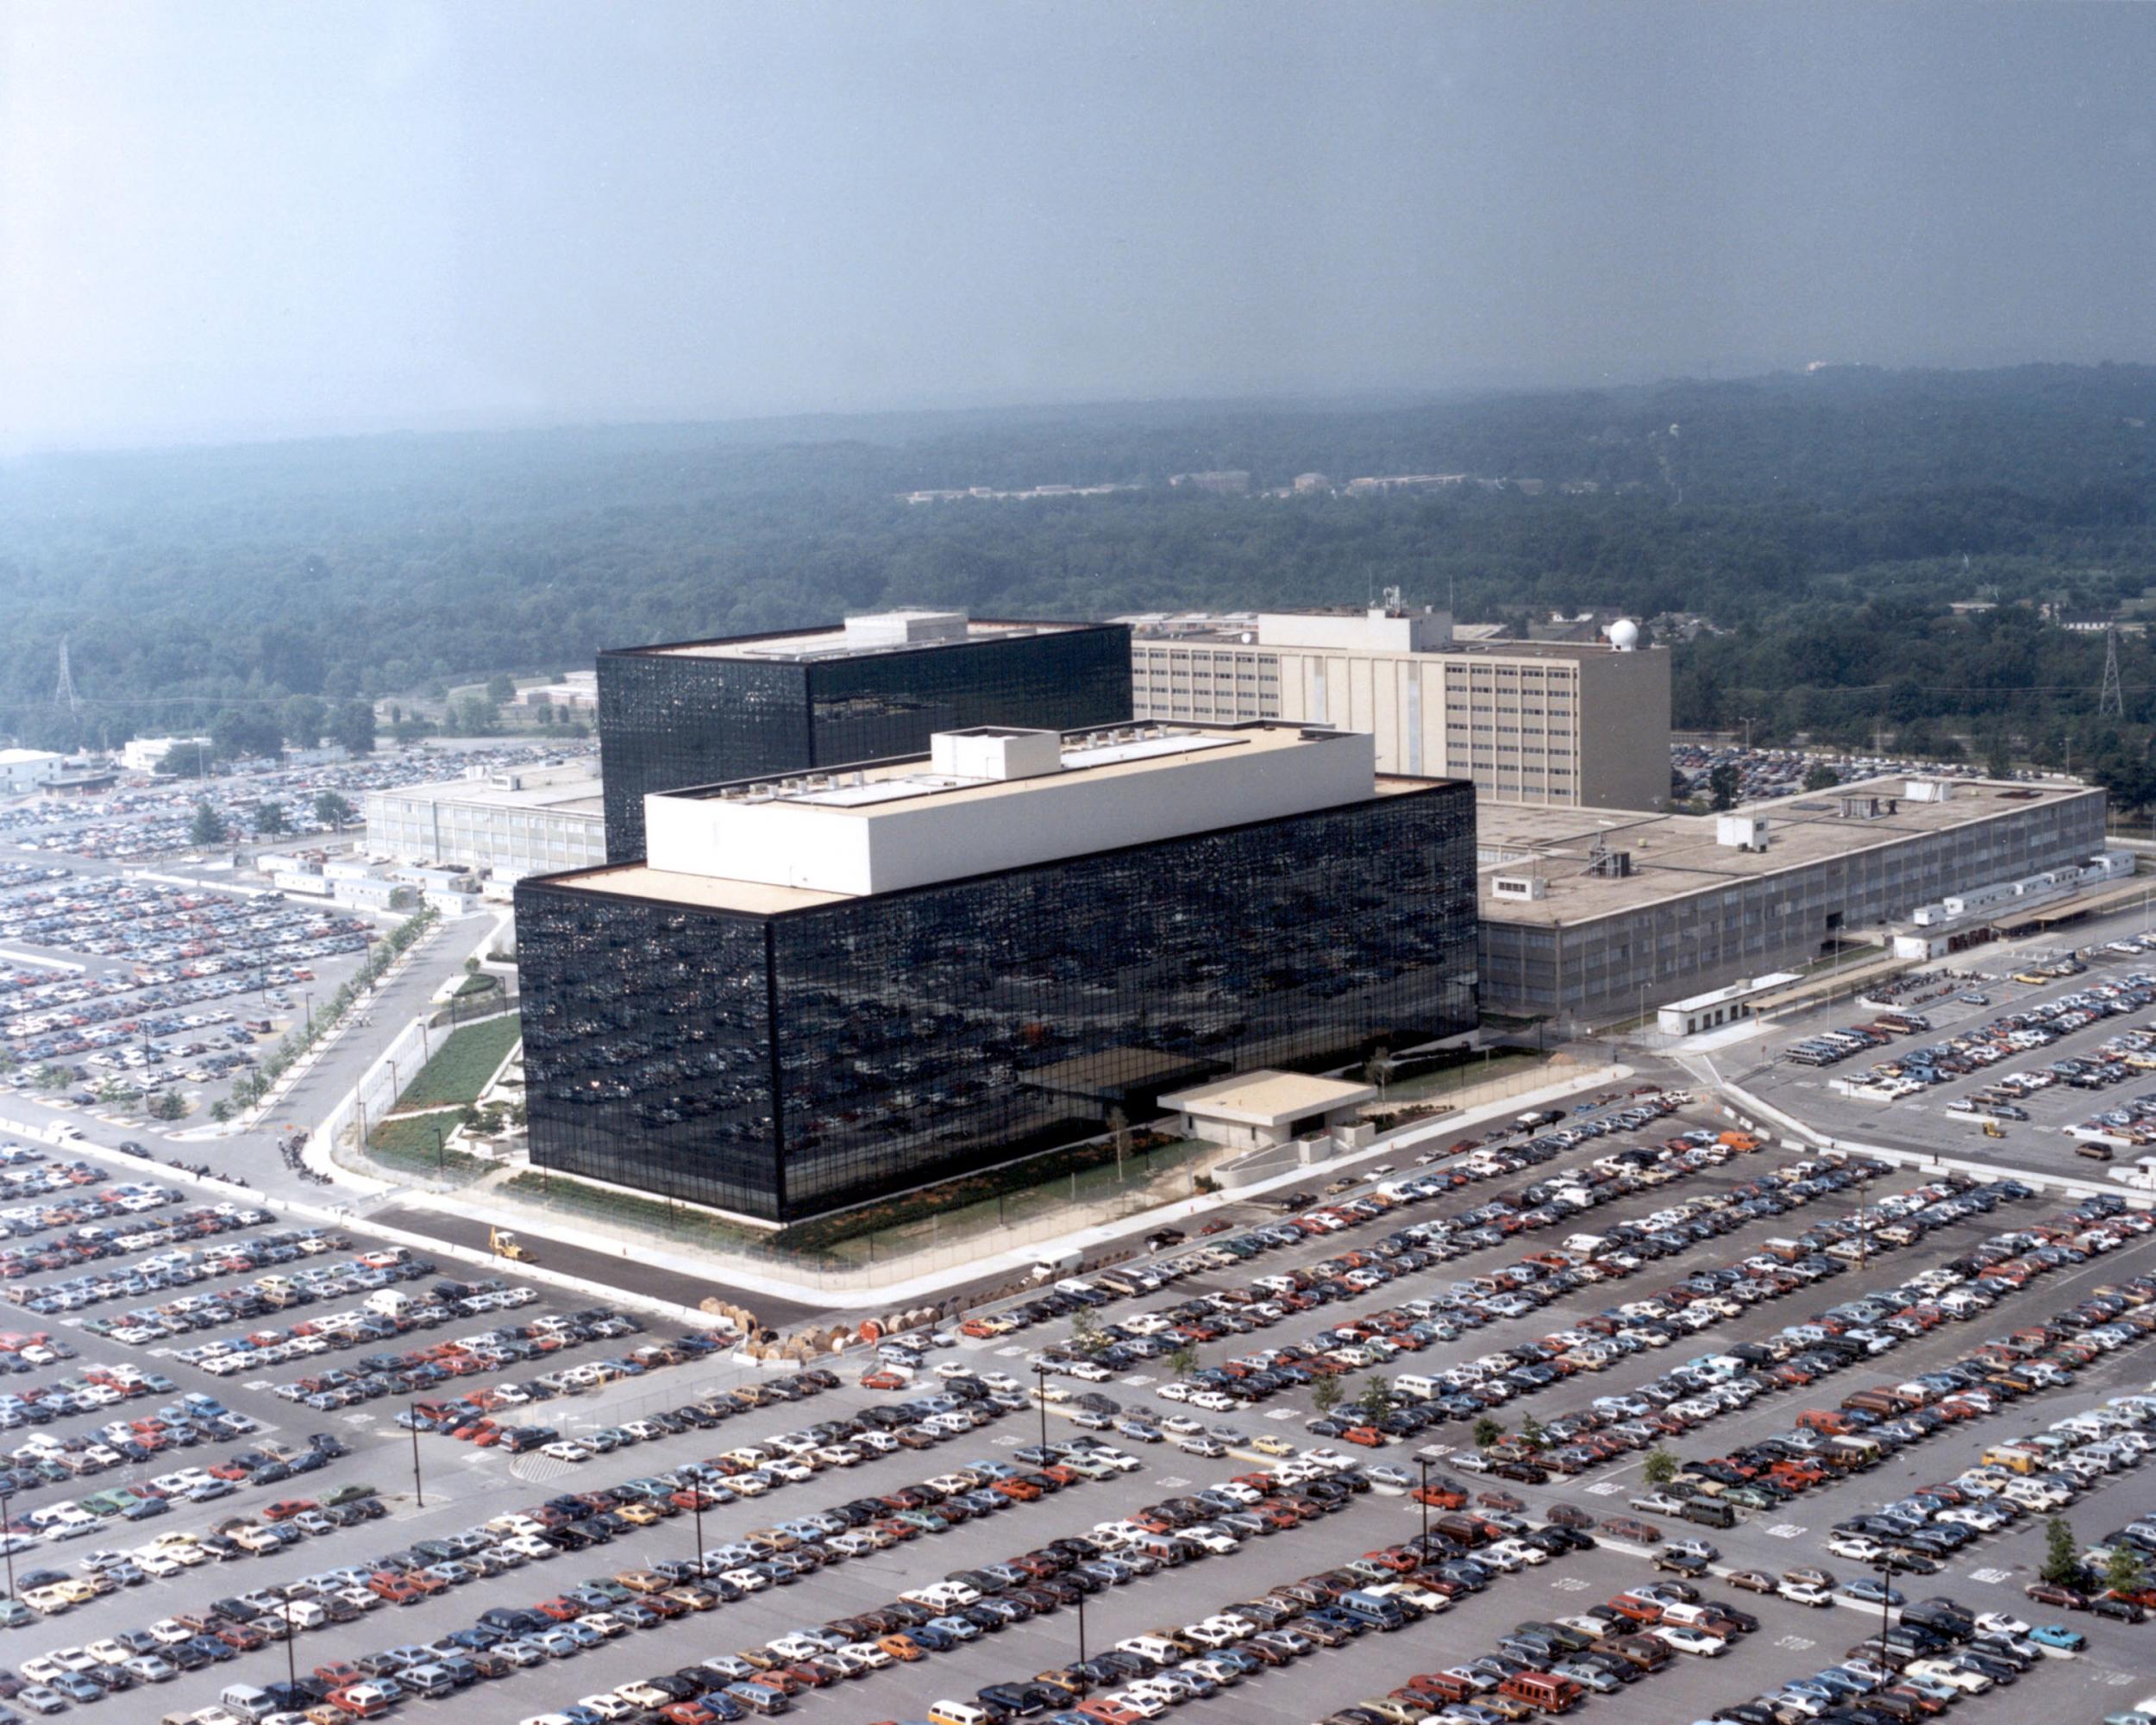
884 632
986 800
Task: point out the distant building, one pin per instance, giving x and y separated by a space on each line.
697 712
145 754
1228 482
821 990
524 820
1531 722
23 770
578 691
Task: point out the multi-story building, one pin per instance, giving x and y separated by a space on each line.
522 821
698 712
819 990
1593 915
1560 723
28 769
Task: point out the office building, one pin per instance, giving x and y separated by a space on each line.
1562 723
524 820
698 712
1591 917
822 989
28 769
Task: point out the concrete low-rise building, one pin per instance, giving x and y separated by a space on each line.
1256 1110
1595 917
528 821
24 770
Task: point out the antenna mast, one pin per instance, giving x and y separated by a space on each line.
2111 699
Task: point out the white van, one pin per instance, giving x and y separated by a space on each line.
389 1302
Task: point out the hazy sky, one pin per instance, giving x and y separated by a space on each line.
225 219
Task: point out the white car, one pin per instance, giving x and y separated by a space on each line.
1803 1593
1514 1552
1689 1641
565 1449
2000 1623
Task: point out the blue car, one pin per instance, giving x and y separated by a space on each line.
1871 1592
2059 1636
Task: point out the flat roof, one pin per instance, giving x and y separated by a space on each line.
1675 855
1268 1098
759 898
1236 631
1112 752
571 792
831 642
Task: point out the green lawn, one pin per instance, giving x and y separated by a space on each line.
407 1144
462 1066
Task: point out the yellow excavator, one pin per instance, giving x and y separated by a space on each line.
1993 1129
503 1244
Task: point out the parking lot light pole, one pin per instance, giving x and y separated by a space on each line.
696 1504
1040 1397
1424 1460
7 1536
411 1415
1886 1593
291 1634
1081 1629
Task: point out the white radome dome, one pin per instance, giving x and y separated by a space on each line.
1624 634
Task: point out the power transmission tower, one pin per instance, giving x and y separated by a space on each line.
64 695
2112 700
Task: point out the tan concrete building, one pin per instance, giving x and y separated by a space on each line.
1562 723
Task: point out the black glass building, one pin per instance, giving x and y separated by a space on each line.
783 1064
700 712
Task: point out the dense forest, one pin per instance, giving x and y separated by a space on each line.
1821 525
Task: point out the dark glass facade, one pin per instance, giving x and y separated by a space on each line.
790 1065
670 719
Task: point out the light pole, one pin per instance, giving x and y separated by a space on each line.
1425 1496
7 1536
310 998
1040 1397
291 1634
696 1505
411 1417
1081 1629
437 1151
1886 1593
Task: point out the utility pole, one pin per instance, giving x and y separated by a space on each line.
2111 697
418 1490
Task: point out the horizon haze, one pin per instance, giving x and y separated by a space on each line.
259 223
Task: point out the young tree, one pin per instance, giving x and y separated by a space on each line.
1486 1432
1376 1399
1819 776
167 1105
207 827
501 689
1531 1433
1661 1467
1085 1332
334 812
1326 1393
1723 785
220 1111
1184 1361
50 1077
1378 1069
2062 1553
269 819
2123 1571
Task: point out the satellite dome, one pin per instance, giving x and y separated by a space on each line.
1624 634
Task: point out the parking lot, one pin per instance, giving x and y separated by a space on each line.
1551 1289
2032 1105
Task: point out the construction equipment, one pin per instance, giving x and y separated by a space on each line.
503 1244
1993 1129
